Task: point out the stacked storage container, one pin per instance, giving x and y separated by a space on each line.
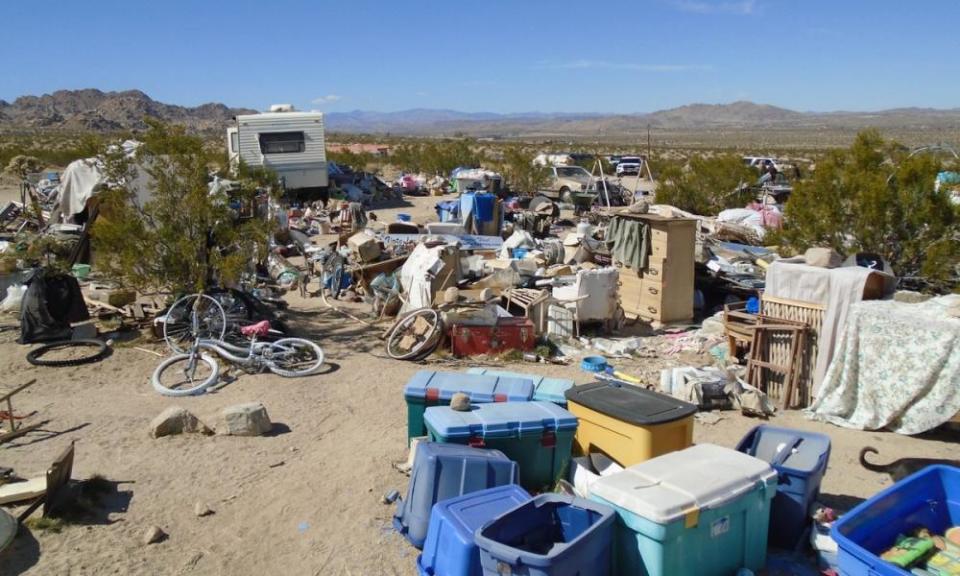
429 388
544 388
537 435
800 459
628 423
551 535
703 511
449 549
444 471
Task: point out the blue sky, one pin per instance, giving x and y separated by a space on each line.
491 55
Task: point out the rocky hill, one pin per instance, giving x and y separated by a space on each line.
90 109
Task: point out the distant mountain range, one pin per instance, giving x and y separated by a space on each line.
94 110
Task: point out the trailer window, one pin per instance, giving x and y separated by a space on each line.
281 142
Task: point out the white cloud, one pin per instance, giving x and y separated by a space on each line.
743 7
328 99
583 64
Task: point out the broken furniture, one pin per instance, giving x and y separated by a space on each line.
657 285
591 298
56 486
13 429
532 303
765 371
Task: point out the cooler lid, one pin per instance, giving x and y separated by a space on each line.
630 403
668 487
544 388
504 419
480 387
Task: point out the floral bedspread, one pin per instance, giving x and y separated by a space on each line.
897 366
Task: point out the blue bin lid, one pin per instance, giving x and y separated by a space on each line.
499 420
544 388
449 546
479 387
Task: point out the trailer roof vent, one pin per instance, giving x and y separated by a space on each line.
281 107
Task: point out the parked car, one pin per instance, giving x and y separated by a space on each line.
564 181
629 165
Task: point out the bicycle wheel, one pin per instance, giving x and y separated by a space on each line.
412 340
96 351
192 317
292 357
185 374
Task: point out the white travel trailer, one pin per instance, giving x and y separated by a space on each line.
288 142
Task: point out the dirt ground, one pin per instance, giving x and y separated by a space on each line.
304 500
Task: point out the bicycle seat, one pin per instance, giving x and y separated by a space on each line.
259 329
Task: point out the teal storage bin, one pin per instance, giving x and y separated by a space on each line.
544 388
702 511
538 436
431 388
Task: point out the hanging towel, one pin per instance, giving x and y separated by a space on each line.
631 241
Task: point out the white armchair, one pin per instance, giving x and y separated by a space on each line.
591 298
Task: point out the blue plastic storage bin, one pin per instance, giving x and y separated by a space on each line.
430 388
449 549
929 499
544 388
800 459
551 535
536 435
702 511
444 471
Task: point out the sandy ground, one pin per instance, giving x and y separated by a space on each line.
303 500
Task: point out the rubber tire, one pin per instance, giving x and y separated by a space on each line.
564 196
297 373
34 356
199 389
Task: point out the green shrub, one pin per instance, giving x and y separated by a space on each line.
706 185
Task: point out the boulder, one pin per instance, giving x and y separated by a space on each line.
177 420
244 420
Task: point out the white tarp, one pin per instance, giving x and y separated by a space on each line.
83 178
897 366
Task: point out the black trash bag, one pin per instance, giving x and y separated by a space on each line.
52 302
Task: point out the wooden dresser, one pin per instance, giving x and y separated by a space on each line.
663 291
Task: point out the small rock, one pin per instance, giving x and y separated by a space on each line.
201 509
177 420
152 535
390 497
244 420
460 402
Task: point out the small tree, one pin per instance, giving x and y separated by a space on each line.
521 173
873 198
21 165
183 238
706 185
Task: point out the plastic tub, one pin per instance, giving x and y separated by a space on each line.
449 549
80 271
544 388
628 423
703 511
800 459
551 535
929 499
430 388
444 471
593 364
535 435
402 217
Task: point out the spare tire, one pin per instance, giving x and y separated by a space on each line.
97 351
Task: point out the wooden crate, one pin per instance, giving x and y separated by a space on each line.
810 314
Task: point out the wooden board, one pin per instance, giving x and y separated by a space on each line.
22 491
808 313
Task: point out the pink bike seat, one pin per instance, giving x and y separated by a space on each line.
258 329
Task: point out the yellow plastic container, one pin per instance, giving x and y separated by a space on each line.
628 423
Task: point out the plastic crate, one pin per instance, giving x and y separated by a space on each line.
551 535
449 549
929 499
444 471
536 435
800 459
430 388
544 388
703 511
628 423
